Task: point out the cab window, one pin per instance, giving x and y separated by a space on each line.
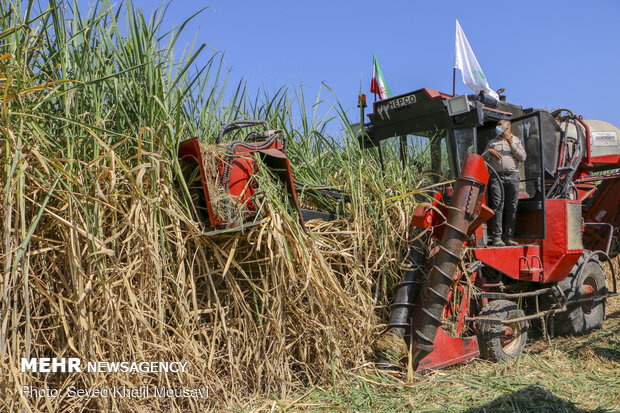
431 155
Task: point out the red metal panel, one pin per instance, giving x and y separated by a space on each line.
433 215
475 168
522 262
510 260
189 152
484 214
433 94
557 258
449 351
242 167
241 188
497 110
611 160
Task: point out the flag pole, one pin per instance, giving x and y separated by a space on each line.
453 80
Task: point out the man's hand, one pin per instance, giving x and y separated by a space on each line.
507 137
495 153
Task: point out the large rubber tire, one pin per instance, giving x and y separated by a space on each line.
586 279
502 341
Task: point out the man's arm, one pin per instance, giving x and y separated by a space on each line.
489 152
486 155
516 147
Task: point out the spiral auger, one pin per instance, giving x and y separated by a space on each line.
463 210
392 346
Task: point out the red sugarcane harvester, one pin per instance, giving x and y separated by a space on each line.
460 298
464 298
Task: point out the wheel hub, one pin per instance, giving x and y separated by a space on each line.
588 289
510 337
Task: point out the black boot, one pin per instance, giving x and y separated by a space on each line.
510 242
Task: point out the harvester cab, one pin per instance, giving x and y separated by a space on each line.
567 225
453 127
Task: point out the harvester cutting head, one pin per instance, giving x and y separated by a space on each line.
221 177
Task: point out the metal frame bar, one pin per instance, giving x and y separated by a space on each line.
508 296
611 232
539 314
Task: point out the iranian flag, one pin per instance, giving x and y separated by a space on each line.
378 84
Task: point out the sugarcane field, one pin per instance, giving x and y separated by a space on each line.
237 206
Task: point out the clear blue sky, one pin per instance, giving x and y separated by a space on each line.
544 53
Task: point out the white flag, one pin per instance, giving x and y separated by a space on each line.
466 62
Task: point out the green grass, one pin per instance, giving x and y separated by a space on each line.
567 374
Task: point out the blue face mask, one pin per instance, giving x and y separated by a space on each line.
499 130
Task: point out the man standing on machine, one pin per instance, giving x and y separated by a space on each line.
504 153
